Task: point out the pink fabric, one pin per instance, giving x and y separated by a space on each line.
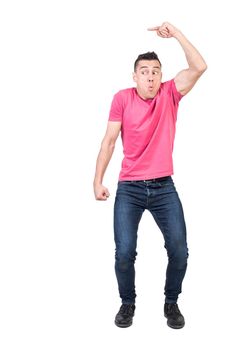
147 131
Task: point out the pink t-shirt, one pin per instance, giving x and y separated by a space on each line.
147 131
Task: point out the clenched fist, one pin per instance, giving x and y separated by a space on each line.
101 193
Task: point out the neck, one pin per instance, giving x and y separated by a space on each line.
149 97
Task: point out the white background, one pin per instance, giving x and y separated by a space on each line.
61 62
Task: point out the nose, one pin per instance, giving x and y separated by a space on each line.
150 79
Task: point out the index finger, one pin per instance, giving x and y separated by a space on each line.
153 28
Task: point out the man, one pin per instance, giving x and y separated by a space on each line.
146 116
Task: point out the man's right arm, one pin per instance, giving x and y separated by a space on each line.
103 159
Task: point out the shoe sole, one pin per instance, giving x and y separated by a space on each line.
123 326
175 327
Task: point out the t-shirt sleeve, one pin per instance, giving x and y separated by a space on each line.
176 95
116 110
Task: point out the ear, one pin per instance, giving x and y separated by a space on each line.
134 76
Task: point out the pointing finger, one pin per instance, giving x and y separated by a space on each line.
153 28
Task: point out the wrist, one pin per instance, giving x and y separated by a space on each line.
97 183
178 35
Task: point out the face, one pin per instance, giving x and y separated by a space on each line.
148 78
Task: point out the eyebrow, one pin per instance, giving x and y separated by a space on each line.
149 67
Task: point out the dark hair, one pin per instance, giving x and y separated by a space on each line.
146 56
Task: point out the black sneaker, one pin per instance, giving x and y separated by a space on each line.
124 317
174 317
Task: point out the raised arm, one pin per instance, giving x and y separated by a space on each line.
104 156
185 79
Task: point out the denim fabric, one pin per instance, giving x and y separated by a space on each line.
161 199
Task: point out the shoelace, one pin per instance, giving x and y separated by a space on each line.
173 308
125 309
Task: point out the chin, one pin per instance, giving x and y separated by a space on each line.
151 95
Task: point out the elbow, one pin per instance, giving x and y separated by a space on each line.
202 68
108 145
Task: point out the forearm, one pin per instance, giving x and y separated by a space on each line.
194 58
103 160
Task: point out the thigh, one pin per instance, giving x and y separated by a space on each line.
127 215
168 213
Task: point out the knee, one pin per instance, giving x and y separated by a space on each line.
124 260
179 256
122 265
179 262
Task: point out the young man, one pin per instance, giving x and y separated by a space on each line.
146 116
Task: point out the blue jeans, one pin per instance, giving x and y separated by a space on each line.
160 197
